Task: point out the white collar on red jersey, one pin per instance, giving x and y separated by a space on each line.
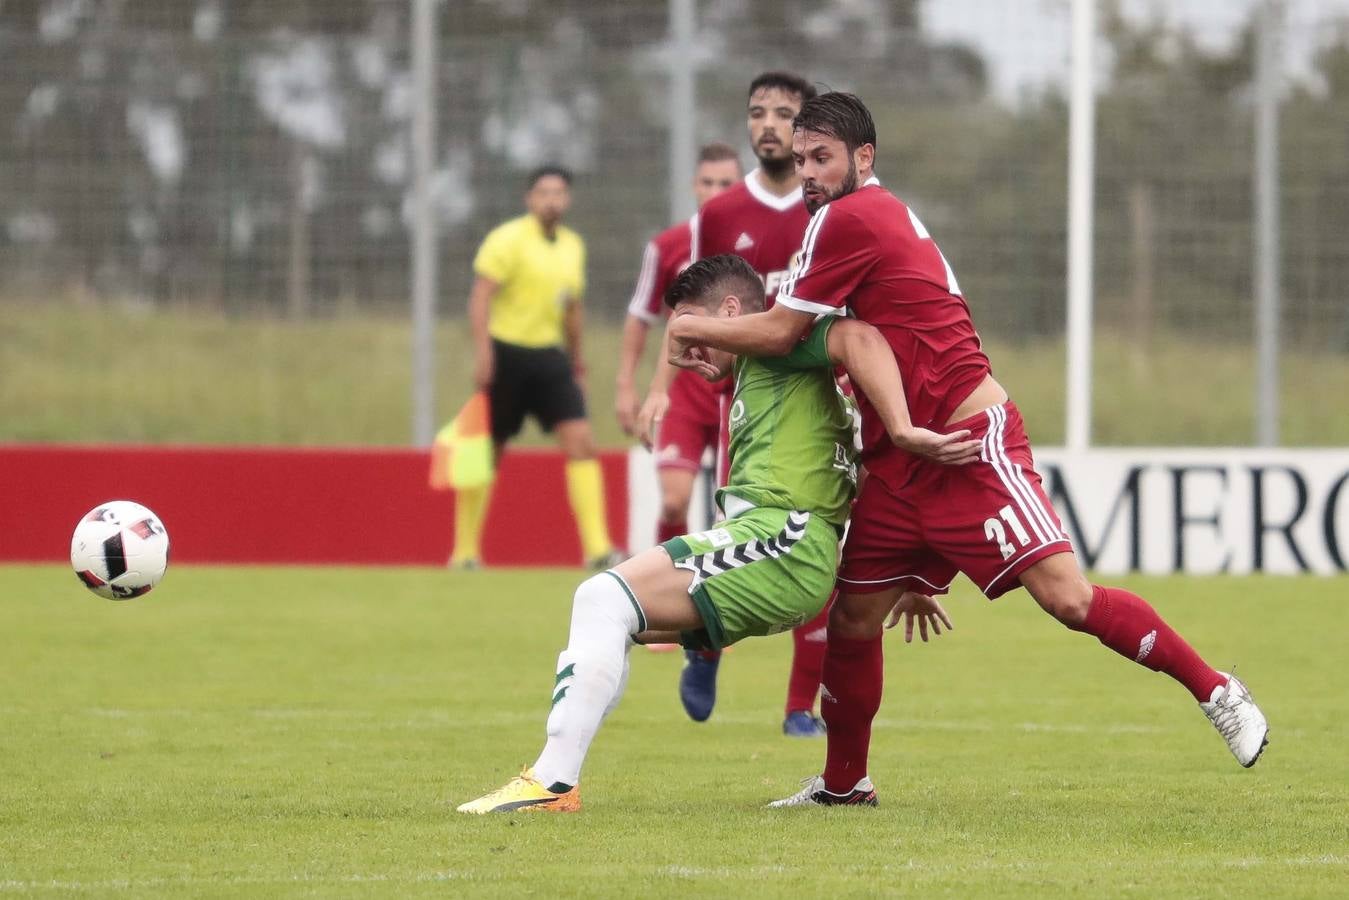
872 180
767 197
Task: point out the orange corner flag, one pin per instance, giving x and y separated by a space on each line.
461 456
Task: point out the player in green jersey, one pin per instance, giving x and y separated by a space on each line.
768 567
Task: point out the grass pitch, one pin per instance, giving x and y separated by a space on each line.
304 732
200 377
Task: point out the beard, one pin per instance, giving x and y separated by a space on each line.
776 167
845 187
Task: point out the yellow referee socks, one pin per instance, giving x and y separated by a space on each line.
470 508
585 490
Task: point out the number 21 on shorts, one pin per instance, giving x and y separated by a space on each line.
994 530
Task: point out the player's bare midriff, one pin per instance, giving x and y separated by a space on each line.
988 393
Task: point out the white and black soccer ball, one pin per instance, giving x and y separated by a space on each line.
120 550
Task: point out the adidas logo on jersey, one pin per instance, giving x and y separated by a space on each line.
744 242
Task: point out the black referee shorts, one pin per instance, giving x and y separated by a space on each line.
536 382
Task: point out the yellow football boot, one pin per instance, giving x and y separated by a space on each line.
524 793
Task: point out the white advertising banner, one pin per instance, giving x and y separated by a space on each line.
1159 511
644 498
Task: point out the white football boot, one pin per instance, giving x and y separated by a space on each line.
812 793
1233 712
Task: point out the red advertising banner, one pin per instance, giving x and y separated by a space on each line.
365 506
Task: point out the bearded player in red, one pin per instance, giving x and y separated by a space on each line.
959 493
762 219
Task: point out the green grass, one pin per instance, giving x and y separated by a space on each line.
112 373
301 732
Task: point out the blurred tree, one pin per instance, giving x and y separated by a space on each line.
1315 177
247 151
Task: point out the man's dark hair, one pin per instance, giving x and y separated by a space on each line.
707 281
839 115
786 81
716 152
548 171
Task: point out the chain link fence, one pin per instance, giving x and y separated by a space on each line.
251 161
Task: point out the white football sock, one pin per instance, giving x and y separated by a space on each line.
591 674
622 679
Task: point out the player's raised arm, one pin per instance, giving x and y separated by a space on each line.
820 284
771 333
870 363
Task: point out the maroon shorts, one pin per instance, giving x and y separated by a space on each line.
691 424
989 519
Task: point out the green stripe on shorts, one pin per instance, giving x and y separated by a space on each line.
632 598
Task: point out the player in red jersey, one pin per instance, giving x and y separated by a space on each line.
762 219
692 422
954 491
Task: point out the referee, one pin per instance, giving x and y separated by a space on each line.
525 315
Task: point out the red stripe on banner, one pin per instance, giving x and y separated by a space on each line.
301 506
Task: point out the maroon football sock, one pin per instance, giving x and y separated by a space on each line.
666 531
851 695
1125 623
808 648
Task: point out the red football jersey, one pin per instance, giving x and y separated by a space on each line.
747 220
666 255
868 254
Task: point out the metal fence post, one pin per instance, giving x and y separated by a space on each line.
424 261
683 136
1081 171
1266 225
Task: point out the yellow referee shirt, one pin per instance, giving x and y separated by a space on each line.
536 277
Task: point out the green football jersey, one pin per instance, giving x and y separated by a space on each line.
791 434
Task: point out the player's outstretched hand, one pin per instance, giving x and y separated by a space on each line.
625 408
706 370
926 610
683 353
687 356
948 449
648 419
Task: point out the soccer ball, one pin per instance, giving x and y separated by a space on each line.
120 550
